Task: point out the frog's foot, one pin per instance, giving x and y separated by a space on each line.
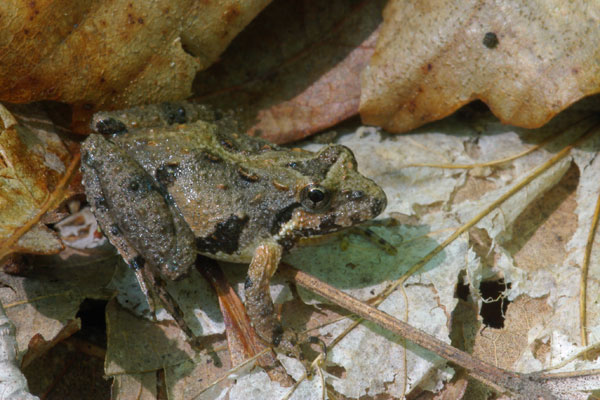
288 342
153 280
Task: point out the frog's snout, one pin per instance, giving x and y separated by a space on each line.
378 205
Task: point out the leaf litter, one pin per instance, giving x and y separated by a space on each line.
370 357
374 361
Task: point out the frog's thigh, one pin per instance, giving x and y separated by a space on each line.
258 297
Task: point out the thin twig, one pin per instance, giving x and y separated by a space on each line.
495 377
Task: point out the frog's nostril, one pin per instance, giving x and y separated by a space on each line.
378 206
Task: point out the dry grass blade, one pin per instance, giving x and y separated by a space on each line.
536 172
315 365
485 164
499 161
584 274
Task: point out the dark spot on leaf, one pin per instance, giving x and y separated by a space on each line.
494 306
277 334
490 40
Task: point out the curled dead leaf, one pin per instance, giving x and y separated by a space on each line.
35 168
112 54
526 60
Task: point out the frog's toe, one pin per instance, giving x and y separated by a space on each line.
288 342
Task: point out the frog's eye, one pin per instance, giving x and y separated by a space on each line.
314 197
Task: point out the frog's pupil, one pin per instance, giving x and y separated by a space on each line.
316 195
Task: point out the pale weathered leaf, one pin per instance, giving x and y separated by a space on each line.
526 60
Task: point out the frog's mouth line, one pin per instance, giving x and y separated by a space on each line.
282 217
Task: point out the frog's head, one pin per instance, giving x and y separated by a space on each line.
333 195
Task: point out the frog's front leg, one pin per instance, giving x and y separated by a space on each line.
259 304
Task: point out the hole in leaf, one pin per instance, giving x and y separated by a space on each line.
494 303
93 322
462 290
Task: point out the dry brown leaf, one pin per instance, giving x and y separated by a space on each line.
296 69
503 347
112 54
35 169
526 60
38 346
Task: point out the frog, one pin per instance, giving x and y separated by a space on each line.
173 183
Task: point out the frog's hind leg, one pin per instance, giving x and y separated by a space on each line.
259 304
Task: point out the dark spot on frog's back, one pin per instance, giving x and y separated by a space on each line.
88 159
225 237
213 158
110 126
174 113
136 263
101 204
166 174
140 185
114 230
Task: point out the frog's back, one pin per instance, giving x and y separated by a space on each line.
236 192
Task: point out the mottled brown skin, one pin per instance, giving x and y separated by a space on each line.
242 199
